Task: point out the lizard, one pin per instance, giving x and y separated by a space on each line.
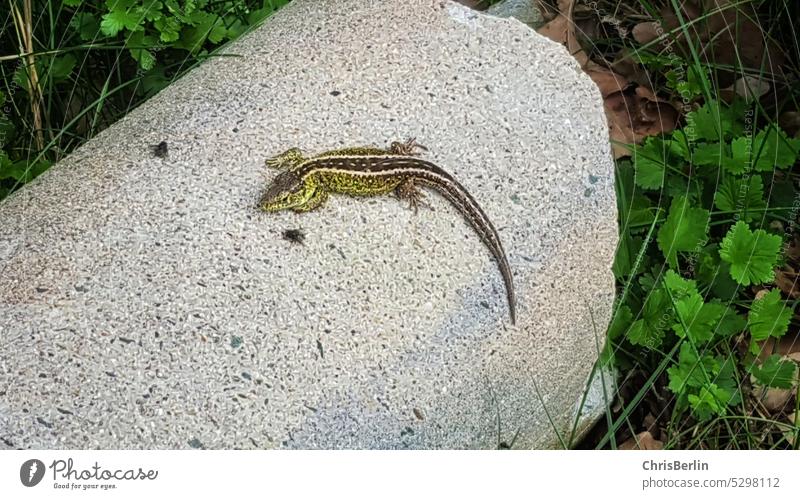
304 184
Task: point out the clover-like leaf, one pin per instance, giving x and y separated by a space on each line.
769 316
742 196
775 372
684 230
752 255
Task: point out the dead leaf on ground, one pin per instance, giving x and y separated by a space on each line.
634 115
787 346
790 121
787 281
776 400
728 35
646 32
642 441
633 112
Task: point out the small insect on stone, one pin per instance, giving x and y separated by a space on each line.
160 150
294 236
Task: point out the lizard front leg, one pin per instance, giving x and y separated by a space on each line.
316 200
286 160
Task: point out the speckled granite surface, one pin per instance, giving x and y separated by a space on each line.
146 303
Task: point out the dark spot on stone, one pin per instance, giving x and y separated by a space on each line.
588 192
42 375
336 93
81 289
109 373
418 414
321 351
125 340
247 376
593 179
484 304
64 411
236 341
40 290
406 431
196 444
44 423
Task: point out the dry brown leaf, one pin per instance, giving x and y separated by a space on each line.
625 66
793 249
727 35
632 116
790 121
751 87
776 399
642 441
787 281
787 346
646 32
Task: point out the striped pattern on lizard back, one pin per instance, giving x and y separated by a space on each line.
368 171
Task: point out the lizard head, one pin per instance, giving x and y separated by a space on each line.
285 192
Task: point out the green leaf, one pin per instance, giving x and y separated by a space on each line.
117 20
742 158
152 9
774 149
752 255
22 170
679 288
684 230
650 160
621 322
680 145
72 3
709 153
62 67
695 319
769 316
169 29
692 370
710 122
138 43
87 26
725 378
710 400
731 323
775 372
217 32
742 196
657 316
7 129
716 274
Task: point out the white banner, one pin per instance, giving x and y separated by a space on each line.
406 474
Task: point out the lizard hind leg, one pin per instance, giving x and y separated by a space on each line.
409 191
407 148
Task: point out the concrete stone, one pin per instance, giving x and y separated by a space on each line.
146 302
